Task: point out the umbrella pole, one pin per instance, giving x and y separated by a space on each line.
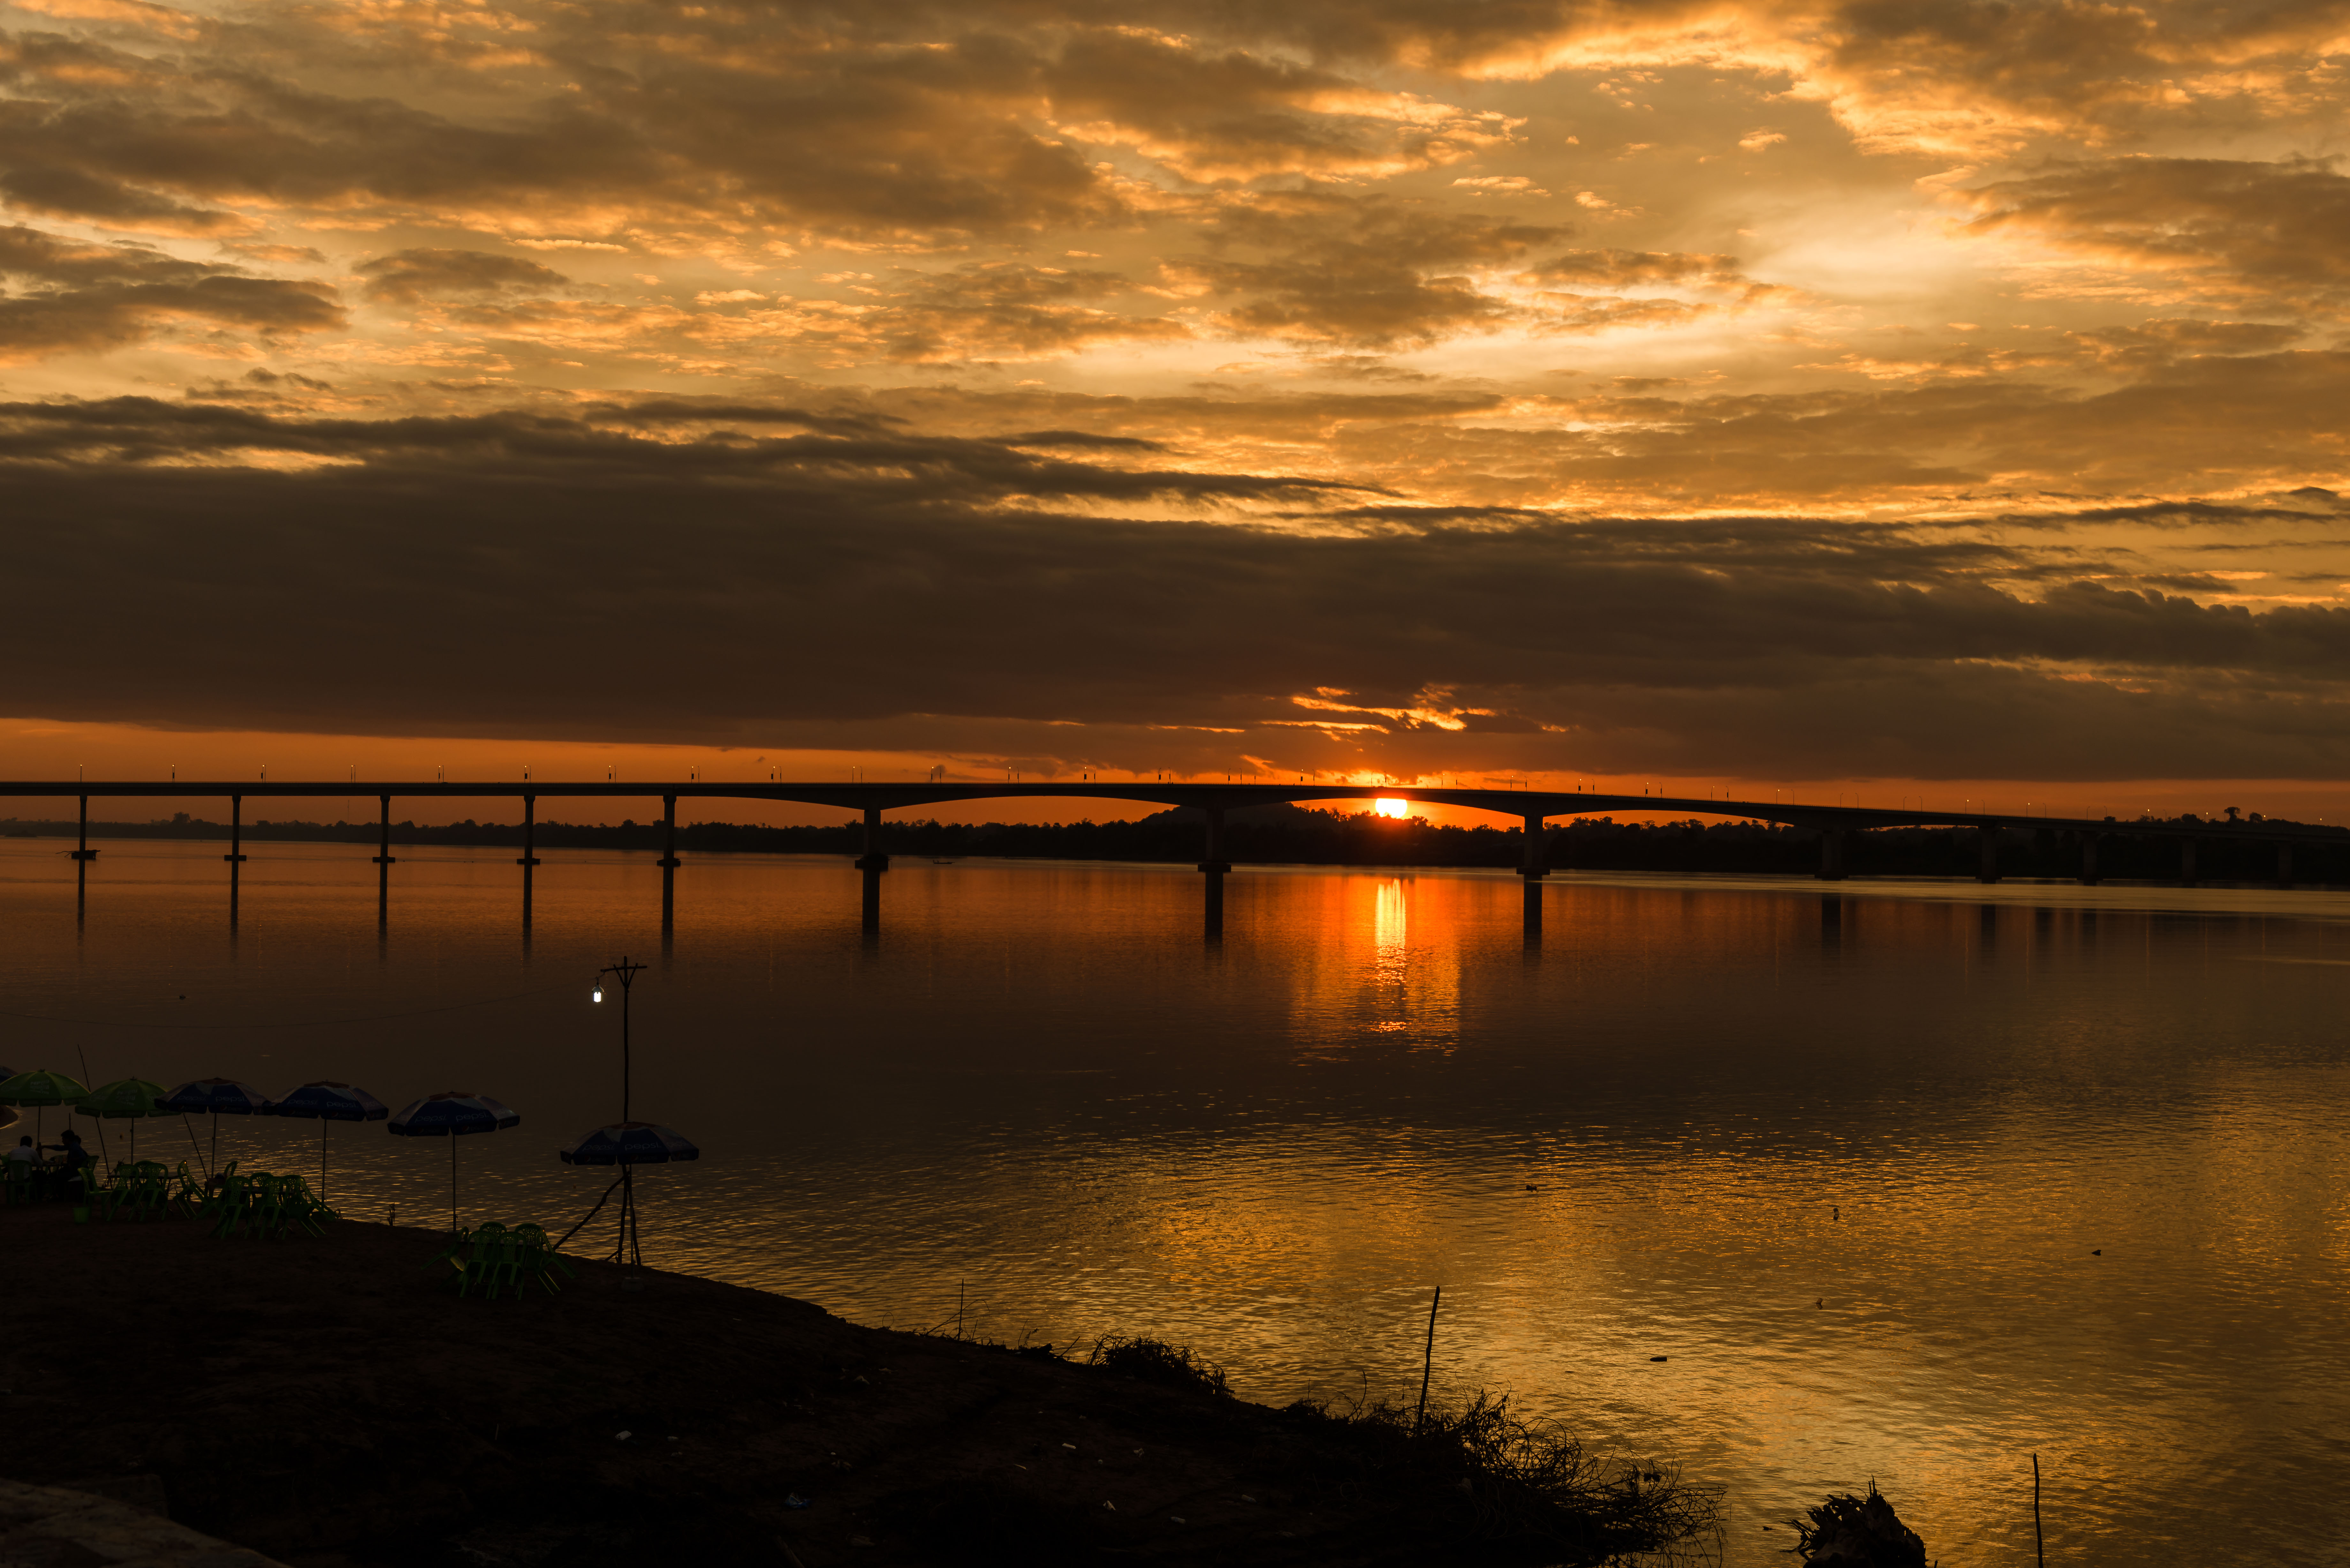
322 1159
103 1153
215 1142
452 1184
194 1145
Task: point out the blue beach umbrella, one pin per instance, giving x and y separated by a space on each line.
328 1101
626 1144
215 1097
630 1143
452 1113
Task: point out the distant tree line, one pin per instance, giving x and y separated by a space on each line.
1290 834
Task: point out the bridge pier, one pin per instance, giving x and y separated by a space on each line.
1213 865
1832 854
528 861
872 863
383 863
2088 860
235 856
2284 866
1987 853
2187 860
1534 859
669 865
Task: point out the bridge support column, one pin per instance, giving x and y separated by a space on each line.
2284 866
873 859
1534 859
1214 867
529 862
668 864
2186 861
383 862
872 863
1832 854
235 856
2088 860
1987 853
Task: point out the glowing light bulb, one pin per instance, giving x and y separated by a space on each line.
598 994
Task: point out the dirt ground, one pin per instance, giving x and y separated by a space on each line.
333 1403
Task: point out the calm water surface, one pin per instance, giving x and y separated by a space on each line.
1908 1181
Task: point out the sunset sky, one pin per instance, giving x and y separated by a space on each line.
1890 398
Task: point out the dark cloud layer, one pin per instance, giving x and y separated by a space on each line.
2278 230
77 297
720 586
407 276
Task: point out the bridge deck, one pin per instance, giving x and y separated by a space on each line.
899 796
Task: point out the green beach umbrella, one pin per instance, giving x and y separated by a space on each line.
130 1099
39 1090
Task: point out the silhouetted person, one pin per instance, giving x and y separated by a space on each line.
76 1163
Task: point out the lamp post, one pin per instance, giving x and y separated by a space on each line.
626 972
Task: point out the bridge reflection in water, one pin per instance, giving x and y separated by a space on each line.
1533 809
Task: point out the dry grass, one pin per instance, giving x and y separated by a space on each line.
1511 1482
1155 1361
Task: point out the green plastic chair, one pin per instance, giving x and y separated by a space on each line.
538 1259
489 1261
453 1254
232 1206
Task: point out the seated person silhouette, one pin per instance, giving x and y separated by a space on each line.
75 1164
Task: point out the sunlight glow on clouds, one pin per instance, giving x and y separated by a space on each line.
1836 391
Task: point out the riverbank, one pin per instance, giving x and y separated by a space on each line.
331 1403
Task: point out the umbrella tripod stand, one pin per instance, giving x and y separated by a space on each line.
627 1244
624 1250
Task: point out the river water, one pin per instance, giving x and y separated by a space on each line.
1908 1181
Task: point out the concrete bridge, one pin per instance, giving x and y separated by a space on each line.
1532 808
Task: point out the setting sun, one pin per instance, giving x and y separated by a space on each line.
1388 806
